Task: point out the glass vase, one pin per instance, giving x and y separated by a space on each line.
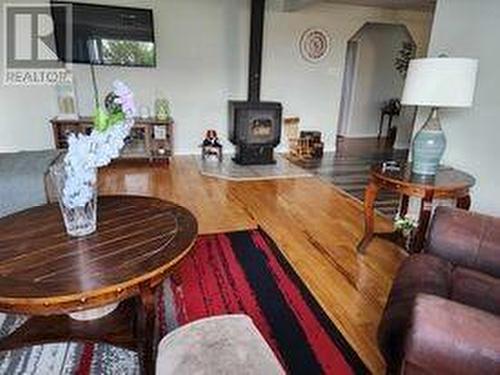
80 220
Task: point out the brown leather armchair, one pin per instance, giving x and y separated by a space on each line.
443 312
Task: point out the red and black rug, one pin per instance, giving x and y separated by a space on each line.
239 272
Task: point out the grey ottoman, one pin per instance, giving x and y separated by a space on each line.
227 344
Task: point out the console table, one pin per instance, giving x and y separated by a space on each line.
448 183
46 274
149 138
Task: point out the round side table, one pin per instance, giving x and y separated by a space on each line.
448 183
46 274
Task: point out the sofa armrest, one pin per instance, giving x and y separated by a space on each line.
466 239
447 337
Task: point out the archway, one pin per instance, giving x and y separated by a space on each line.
373 76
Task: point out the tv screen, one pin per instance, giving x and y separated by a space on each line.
104 35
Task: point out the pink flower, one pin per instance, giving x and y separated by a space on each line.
125 98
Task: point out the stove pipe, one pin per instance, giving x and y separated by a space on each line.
255 55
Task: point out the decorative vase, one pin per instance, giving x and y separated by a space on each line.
79 219
428 146
144 112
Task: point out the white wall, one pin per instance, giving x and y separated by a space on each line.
202 62
467 28
375 79
313 92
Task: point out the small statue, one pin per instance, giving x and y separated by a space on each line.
211 145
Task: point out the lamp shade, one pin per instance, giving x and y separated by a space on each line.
440 82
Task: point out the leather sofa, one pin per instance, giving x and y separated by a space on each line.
443 312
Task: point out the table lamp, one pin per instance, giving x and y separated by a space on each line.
436 82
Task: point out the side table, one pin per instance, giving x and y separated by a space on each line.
448 183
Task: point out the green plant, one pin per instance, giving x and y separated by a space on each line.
406 53
112 112
405 225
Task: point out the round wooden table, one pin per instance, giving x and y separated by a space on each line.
448 183
47 274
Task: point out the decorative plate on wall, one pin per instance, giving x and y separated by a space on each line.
314 44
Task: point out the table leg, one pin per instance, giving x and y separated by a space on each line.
370 196
381 125
175 276
405 200
145 331
464 202
423 223
389 125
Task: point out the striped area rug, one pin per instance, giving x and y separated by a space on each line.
351 174
239 272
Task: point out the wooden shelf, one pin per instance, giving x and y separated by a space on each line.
149 139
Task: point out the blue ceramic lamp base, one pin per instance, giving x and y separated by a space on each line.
428 146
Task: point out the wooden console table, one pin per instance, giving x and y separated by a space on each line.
448 183
149 138
47 274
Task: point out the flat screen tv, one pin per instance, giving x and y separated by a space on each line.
104 35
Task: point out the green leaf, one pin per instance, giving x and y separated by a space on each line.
101 120
115 118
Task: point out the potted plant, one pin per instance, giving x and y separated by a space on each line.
405 226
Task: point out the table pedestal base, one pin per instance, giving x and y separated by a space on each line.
94 314
130 326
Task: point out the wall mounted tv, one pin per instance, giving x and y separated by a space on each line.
104 35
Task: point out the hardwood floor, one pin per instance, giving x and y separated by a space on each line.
314 223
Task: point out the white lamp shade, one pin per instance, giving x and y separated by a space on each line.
440 82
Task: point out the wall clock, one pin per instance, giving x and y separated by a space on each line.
314 44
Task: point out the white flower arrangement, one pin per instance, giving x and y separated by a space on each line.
86 153
405 225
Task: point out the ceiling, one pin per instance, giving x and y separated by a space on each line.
392 4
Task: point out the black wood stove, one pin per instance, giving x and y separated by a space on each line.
255 126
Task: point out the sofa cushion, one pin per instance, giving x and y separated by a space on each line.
476 289
467 239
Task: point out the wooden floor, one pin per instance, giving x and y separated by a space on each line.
315 224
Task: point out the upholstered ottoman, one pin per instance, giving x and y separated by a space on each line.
227 344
